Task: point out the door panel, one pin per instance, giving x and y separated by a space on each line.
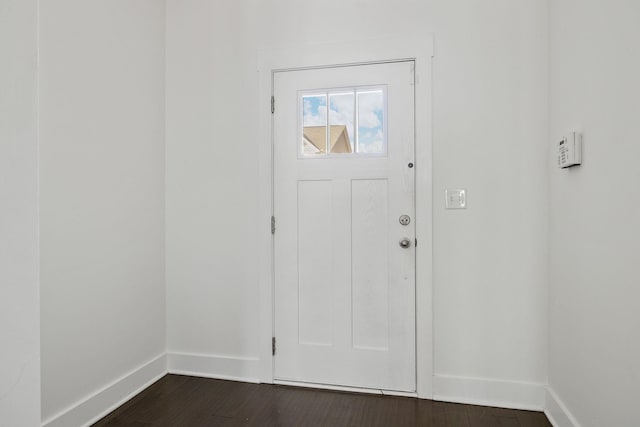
369 269
314 243
344 287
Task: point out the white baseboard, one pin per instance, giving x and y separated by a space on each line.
111 396
488 392
245 369
557 412
475 391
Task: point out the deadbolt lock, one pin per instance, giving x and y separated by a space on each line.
405 219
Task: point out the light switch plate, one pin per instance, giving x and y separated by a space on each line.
456 198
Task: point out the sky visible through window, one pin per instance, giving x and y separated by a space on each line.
361 111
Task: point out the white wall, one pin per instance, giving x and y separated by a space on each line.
490 127
102 200
595 212
212 291
19 294
490 136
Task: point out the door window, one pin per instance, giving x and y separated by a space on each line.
338 122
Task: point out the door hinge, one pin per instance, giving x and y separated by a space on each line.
416 245
273 346
273 104
273 225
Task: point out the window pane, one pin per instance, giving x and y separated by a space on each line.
314 125
341 118
370 122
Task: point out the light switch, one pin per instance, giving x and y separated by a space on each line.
456 198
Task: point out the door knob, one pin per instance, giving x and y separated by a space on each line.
405 243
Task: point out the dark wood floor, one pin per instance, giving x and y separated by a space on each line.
177 400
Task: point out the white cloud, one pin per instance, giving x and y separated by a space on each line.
370 106
372 143
368 120
311 119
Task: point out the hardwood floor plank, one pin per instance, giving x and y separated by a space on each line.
532 419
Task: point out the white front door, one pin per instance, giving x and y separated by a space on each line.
345 210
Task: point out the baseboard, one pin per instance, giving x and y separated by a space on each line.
488 392
245 369
557 412
475 391
111 396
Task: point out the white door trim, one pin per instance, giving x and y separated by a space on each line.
418 49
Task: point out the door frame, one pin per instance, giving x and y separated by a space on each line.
411 48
